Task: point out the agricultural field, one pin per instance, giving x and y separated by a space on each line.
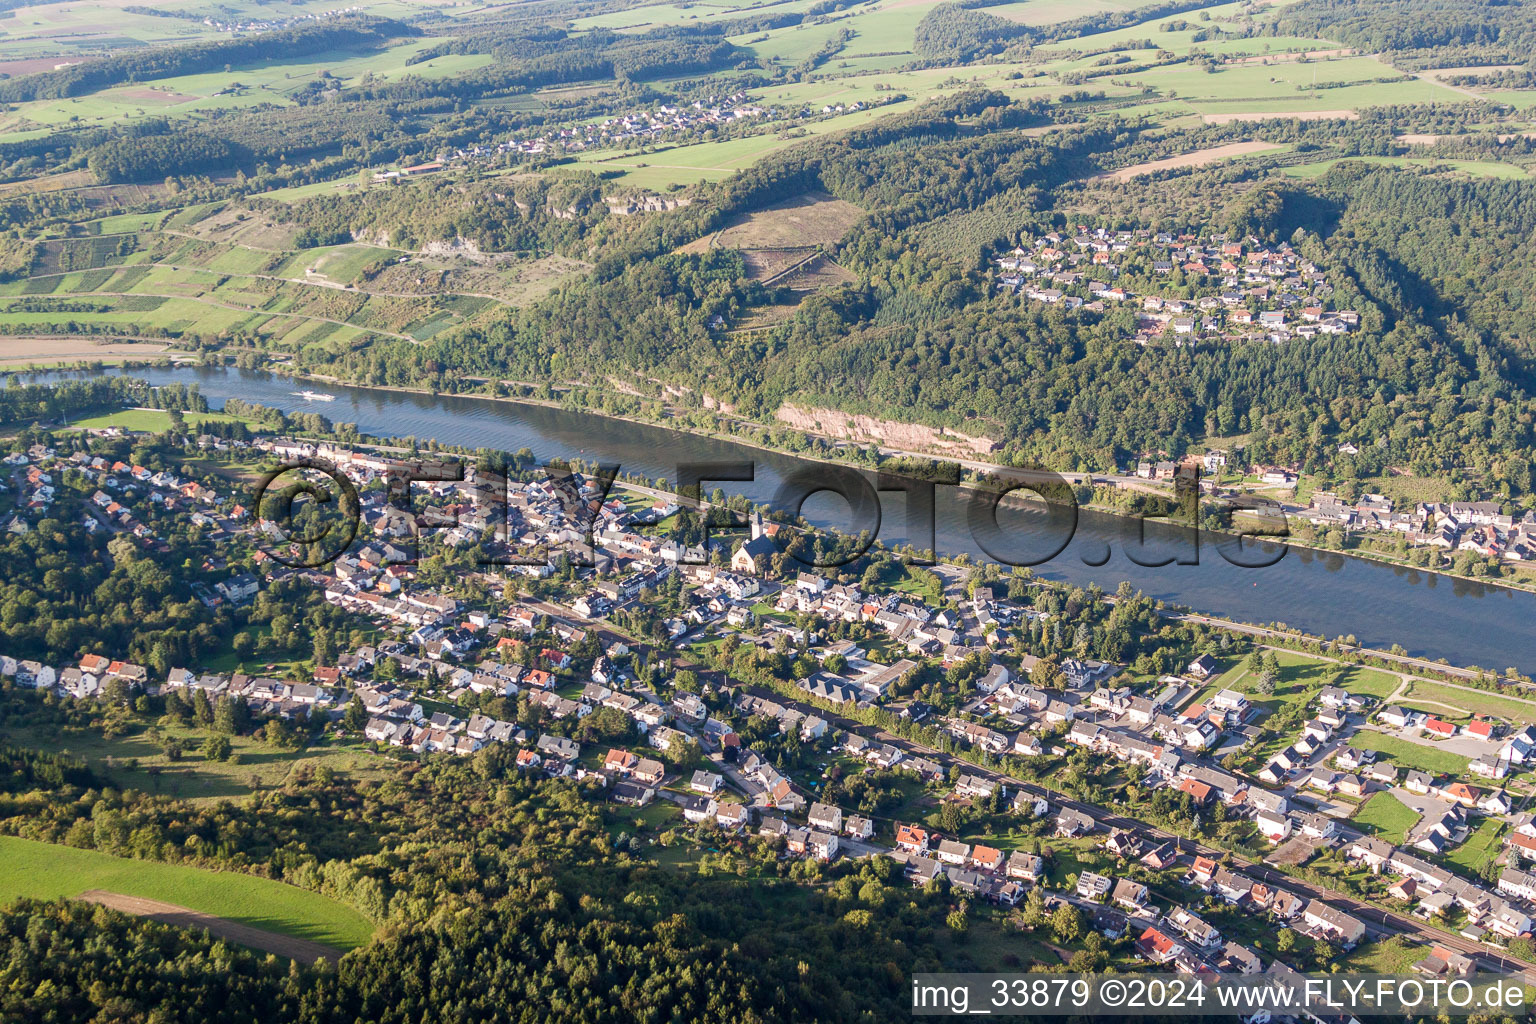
18 352
47 871
1471 168
1289 88
242 86
220 270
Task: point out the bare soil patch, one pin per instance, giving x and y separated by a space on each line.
20 351
255 938
1293 852
767 264
157 96
815 274
814 218
1282 115
1472 69
50 183
1199 158
34 65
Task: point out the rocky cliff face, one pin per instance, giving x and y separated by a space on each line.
891 433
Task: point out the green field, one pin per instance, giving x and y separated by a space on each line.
153 420
1476 701
137 762
1476 168
1391 956
1386 817
1411 755
46 871
1298 675
1481 846
1370 682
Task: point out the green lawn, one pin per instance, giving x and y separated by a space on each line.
1369 682
1482 846
1476 701
46 871
1299 675
261 766
1432 708
1386 817
154 420
1391 956
1411 755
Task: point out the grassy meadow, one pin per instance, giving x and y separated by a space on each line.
47 871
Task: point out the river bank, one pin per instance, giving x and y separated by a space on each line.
1321 593
974 466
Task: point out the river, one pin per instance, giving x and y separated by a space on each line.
1429 615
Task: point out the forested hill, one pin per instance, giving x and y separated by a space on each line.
1442 33
1438 376
498 892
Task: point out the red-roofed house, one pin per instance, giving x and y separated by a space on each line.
1157 947
1482 730
986 858
1523 844
1461 793
912 839
1198 791
1439 727
621 761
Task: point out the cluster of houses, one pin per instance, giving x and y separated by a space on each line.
470 652
1478 526
1505 913
661 122
1232 290
123 493
82 681
974 870
1504 749
240 26
1481 527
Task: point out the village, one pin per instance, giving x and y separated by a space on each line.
659 124
569 661
1213 289
1482 528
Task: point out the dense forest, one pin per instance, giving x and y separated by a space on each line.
509 892
957 32
1425 33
